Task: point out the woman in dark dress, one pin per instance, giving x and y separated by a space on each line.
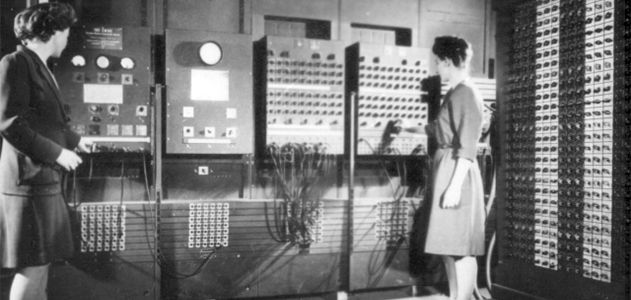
37 147
456 223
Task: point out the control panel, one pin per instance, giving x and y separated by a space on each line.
209 93
384 82
104 77
300 92
566 182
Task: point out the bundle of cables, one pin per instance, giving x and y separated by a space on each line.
297 170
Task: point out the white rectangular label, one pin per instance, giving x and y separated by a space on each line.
231 113
103 93
141 130
188 112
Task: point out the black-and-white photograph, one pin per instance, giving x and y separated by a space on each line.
315 150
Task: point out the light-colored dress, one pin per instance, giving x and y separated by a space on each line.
457 231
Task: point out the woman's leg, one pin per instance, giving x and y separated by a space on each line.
466 274
30 283
450 268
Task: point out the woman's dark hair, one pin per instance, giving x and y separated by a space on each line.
42 20
454 48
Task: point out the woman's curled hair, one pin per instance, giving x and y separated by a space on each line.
454 48
42 20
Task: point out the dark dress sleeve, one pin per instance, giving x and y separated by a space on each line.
15 92
466 122
430 129
72 138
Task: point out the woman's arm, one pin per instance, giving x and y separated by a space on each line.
15 99
451 197
466 118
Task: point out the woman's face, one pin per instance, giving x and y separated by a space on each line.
60 41
443 67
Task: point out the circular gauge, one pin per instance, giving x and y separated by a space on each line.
78 61
210 53
127 63
102 62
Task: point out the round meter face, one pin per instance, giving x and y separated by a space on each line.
78 61
127 63
210 53
102 62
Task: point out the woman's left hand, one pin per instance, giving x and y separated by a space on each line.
451 197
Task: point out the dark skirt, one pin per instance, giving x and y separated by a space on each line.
34 230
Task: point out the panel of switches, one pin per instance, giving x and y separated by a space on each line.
546 141
571 140
105 79
300 92
520 139
386 81
565 112
598 139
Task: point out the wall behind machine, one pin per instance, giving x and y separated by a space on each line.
219 16
472 20
467 19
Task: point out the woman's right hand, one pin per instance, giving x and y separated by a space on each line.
85 146
69 160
